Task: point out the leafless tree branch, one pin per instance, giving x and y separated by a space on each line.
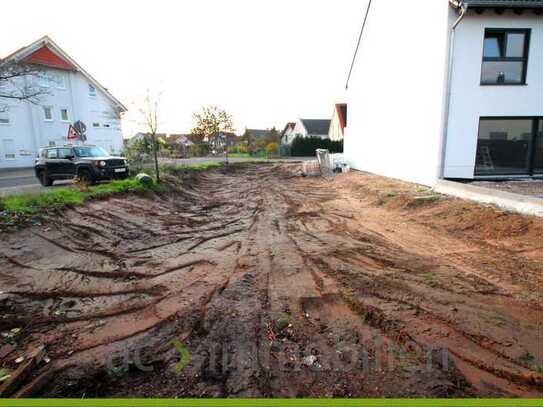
16 82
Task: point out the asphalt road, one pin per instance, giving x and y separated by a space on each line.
24 181
23 178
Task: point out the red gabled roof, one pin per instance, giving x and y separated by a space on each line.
341 109
45 52
44 56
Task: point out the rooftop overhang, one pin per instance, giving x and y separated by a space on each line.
518 6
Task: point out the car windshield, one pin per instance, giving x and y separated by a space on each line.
90 152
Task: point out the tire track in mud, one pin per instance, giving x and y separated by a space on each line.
386 311
277 288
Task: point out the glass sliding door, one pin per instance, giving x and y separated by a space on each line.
504 146
538 153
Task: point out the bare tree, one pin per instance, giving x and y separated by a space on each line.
149 116
16 82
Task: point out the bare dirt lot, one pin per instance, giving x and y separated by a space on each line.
277 286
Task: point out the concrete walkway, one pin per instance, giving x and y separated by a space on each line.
528 205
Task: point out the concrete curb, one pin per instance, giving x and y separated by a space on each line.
527 205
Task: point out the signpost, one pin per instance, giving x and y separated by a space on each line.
77 131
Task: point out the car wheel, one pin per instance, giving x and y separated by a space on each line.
85 177
44 179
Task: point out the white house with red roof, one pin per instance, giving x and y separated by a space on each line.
70 94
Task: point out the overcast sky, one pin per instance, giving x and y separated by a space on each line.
266 62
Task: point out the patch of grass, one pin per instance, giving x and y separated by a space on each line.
238 155
55 199
33 203
419 201
527 358
123 186
117 371
283 322
4 375
386 197
179 169
530 360
428 276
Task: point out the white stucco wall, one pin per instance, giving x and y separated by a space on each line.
396 92
470 100
29 130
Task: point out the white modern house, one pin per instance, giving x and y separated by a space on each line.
70 94
305 128
448 89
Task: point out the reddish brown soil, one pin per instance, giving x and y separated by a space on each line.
255 268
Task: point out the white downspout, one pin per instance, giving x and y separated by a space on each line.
463 11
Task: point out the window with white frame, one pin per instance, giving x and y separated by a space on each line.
9 149
4 117
60 81
43 80
48 113
92 90
64 115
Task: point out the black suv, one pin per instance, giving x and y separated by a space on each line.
88 163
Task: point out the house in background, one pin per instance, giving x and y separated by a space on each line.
258 138
222 140
287 135
448 89
306 128
258 134
338 123
72 95
180 144
145 136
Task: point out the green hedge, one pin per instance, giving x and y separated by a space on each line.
305 147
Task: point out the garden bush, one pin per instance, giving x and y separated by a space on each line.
305 147
272 149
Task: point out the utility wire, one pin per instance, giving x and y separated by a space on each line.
358 44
